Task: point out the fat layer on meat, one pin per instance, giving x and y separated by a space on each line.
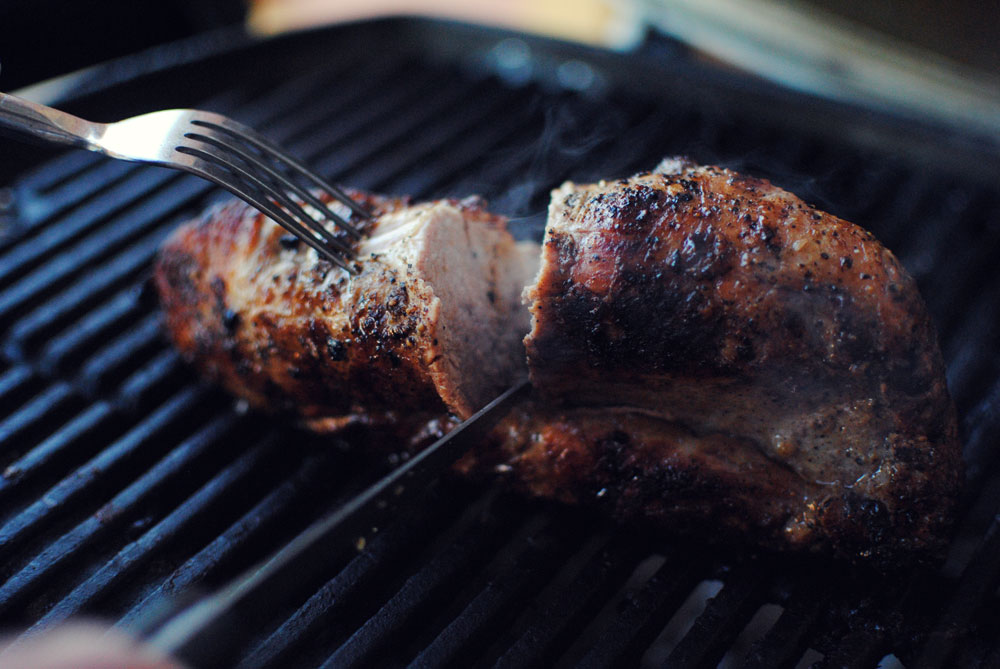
708 352
734 316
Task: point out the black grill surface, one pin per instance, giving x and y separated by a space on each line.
125 480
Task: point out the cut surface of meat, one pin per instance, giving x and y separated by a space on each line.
430 322
709 353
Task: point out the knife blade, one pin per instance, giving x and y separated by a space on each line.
205 633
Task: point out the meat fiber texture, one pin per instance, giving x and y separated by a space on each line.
713 353
431 322
709 354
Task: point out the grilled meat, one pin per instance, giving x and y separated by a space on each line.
641 469
432 322
708 353
750 362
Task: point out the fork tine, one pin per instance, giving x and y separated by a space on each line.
305 221
258 163
252 190
314 226
276 189
239 131
260 201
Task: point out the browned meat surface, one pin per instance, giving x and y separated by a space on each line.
709 353
437 295
693 312
640 468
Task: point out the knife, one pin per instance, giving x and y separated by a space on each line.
205 633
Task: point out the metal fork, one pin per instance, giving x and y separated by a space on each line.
215 148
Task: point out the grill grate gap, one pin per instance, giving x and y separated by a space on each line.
146 491
788 637
546 629
29 254
237 546
111 465
35 419
79 437
483 608
724 615
74 319
197 518
309 624
435 571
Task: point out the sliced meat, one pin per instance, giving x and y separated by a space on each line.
432 322
709 353
734 315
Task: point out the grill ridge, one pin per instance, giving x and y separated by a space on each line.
107 463
644 612
193 512
190 453
718 625
566 608
214 556
102 424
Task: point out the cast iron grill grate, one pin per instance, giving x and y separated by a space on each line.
125 480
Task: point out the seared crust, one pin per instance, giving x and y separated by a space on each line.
725 306
709 353
638 468
263 316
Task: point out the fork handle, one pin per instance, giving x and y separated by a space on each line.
45 123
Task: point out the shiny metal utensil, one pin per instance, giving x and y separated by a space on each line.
213 147
201 632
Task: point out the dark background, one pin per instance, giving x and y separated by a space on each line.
966 31
45 38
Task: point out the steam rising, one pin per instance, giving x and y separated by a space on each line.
567 145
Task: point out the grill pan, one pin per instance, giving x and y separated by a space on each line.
125 480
